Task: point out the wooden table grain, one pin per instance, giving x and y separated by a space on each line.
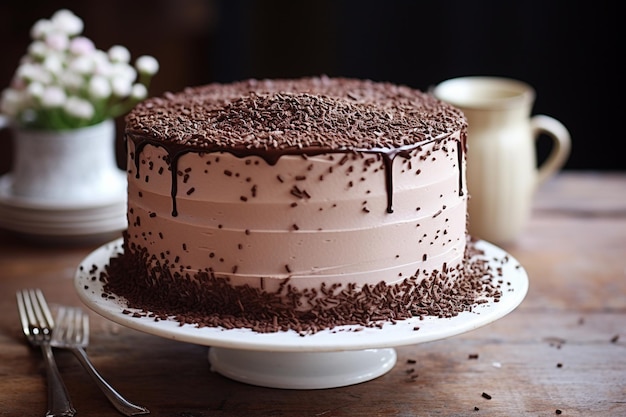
561 352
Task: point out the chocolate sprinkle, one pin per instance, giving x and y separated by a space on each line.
206 300
299 113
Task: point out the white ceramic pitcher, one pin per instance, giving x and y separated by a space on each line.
502 171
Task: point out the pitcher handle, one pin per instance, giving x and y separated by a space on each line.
561 145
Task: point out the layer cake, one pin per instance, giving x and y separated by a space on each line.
298 204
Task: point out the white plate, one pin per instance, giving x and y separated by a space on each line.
348 356
45 226
65 216
80 224
117 194
64 222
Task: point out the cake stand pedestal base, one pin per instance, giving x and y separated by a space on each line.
302 370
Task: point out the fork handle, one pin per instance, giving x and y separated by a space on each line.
59 404
120 403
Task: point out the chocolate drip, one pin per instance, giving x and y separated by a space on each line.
389 156
459 152
174 157
388 161
271 157
138 149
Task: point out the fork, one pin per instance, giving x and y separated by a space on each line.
37 324
72 333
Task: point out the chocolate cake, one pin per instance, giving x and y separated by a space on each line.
298 204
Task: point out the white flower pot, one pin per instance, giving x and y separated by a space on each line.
70 166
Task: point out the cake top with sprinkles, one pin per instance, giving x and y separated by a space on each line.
316 112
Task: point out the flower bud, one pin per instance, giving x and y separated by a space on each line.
37 49
57 41
78 107
81 46
67 22
33 72
147 64
121 87
53 96
52 63
82 64
71 80
35 90
119 53
139 92
11 102
41 28
99 87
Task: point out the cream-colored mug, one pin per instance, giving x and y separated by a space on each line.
502 170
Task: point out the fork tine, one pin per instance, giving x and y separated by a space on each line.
43 309
39 319
33 320
22 312
74 325
62 328
68 326
82 323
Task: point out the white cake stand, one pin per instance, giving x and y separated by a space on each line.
327 359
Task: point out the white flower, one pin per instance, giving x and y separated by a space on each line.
147 64
78 107
67 22
82 64
118 53
34 72
101 64
53 64
27 71
11 102
123 71
81 46
71 81
35 90
57 41
121 87
99 87
53 96
41 28
139 92
37 49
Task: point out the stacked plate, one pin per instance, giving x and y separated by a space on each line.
64 221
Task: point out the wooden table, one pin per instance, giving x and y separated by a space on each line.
563 348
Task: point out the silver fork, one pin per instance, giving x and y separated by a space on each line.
72 333
37 324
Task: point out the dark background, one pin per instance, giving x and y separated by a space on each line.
571 52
